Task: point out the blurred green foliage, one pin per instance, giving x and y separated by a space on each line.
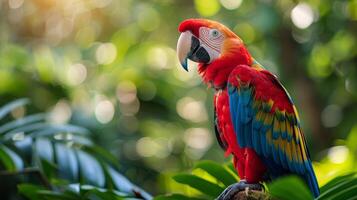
111 66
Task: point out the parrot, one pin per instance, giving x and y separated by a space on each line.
255 118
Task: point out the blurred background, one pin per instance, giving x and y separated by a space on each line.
111 66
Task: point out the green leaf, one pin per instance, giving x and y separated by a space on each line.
120 181
102 153
289 188
217 171
176 197
347 193
43 156
91 192
51 195
15 163
122 184
34 192
78 139
24 146
29 191
67 162
336 181
5 160
4 110
341 186
54 129
200 184
91 171
43 149
232 169
27 128
21 122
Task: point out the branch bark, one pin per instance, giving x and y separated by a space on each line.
252 195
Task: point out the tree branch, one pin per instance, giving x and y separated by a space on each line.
252 195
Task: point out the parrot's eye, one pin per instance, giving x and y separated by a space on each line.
214 33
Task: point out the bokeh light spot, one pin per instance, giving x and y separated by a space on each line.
104 111
18 112
106 53
331 116
14 4
126 92
231 4
146 147
157 58
86 36
319 63
148 18
351 85
76 74
302 15
100 3
338 154
207 8
191 109
198 138
61 112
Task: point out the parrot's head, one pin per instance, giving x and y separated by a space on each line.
213 46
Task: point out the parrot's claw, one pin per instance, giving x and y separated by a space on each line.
233 189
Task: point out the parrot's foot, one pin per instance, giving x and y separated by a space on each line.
233 189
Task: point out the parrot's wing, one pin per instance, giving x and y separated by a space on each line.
265 119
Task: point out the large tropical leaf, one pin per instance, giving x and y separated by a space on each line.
289 188
62 154
204 186
218 171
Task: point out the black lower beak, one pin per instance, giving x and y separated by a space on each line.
198 53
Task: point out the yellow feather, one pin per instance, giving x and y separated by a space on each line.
303 146
297 134
270 103
296 113
256 104
298 153
276 125
289 129
288 151
293 151
259 116
283 126
276 144
268 119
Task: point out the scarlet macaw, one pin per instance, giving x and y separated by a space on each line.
255 118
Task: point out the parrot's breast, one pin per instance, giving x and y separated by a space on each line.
245 159
224 122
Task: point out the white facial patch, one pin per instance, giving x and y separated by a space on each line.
212 41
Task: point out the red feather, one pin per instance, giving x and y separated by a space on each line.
245 160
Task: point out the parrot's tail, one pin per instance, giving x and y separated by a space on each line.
312 181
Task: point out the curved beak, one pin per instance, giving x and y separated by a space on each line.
189 47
